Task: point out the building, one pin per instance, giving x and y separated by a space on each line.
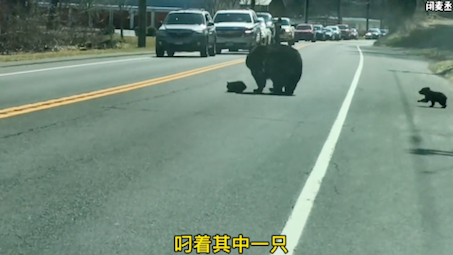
260 5
104 12
275 7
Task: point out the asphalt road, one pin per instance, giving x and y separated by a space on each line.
125 173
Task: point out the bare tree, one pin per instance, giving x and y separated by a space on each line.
91 8
124 5
214 5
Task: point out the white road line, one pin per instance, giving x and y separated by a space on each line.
71 66
296 222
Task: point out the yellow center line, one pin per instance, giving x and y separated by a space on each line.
28 108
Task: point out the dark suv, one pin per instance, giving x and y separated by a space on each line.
186 30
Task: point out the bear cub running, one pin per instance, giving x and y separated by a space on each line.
433 97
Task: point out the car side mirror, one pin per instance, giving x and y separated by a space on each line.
210 23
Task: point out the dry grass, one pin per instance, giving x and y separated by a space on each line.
431 39
129 45
444 68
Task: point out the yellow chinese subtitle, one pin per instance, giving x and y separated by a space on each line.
205 244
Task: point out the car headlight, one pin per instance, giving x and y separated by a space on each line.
248 31
287 30
200 32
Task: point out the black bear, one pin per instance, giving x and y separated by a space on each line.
433 97
236 86
280 63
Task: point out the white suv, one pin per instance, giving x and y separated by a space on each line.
236 29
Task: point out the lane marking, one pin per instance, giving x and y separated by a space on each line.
71 66
28 108
298 219
13 111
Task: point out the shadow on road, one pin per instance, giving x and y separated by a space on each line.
435 107
234 53
399 53
411 72
420 151
178 57
260 94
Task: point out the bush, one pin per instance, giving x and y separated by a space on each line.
110 30
437 36
150 31
29 34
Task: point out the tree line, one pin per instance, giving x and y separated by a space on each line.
26 28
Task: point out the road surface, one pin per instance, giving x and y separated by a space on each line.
350 165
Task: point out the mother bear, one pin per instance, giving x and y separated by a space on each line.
282 64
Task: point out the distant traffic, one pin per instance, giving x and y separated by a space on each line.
194 30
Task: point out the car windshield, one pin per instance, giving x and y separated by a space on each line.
333 28
265 17
327 30
318 28
343 27
184 18
303 27
232 17
285 22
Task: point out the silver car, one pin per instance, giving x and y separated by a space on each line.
266 33
236 29
336 32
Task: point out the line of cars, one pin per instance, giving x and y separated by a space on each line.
315 32
194 30
375 33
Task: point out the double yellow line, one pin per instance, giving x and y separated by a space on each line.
23 109
13 111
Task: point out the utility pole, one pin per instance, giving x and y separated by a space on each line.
382 9
367 14
142 23
306 10
252 4
340 18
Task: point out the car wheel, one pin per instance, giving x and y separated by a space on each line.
204 50
170 53
160 51
212 50
218 49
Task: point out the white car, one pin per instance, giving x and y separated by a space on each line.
328 32
266 33
236 30
336 32
287 33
